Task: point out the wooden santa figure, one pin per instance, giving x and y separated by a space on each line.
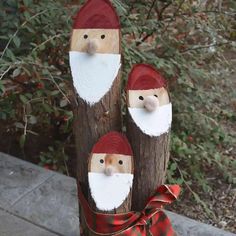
110 173
149 122
95 61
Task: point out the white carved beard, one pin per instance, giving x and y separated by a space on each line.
153 123
93 75
109 192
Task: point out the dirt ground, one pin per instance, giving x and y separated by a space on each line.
222 202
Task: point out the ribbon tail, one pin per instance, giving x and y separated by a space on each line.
161 225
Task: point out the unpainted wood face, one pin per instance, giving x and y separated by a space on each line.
99 163
96 41
136 98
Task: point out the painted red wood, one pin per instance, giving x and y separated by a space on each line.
144 77
113 143
97 14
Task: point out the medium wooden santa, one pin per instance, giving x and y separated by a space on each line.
148 125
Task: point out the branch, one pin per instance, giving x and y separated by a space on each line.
180 5
160 13
205 46
5 72
150 9
195 195
219 12
144 38
148 16
58 87
48 40
16 32
230 14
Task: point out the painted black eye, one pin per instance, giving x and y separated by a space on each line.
141 98
120 162
85 36
101 161
103 36
156 96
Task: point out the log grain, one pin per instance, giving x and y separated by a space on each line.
151 156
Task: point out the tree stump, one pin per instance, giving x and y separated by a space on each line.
95 62
151 160
148 123
91 123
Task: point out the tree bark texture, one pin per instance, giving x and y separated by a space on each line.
151 156
90 124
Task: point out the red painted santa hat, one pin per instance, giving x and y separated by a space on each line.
144 77
113 143
97 14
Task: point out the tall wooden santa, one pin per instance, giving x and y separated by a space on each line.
95 61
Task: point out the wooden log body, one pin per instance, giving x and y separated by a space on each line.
97 110
151 156
91 123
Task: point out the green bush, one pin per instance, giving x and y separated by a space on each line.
183 39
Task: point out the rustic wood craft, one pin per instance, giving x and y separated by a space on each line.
106 179
148 124
110 173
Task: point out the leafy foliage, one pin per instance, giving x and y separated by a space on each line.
34 71
184 39
186 42
54 159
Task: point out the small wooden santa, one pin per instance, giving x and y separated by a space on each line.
111 172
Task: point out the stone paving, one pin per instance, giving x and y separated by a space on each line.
34 199
39 202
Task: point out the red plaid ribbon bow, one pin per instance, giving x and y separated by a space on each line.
151 221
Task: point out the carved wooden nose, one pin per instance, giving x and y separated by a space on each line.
151 103
92 46
109 171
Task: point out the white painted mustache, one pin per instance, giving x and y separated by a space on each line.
153 123
93 75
